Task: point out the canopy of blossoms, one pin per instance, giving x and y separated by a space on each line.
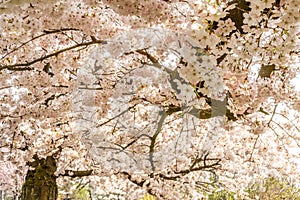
150 96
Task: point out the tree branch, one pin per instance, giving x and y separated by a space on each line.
25 66
153 138
139 183
46 32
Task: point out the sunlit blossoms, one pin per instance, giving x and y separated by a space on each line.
174 99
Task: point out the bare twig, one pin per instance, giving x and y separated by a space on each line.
289 121
118 115
254 145
273 113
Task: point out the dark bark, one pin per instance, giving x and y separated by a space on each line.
40 182
266 71
237 14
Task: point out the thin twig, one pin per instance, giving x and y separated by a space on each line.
289 121
118 115
273 113
254 145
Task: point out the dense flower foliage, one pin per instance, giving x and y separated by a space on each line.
155 96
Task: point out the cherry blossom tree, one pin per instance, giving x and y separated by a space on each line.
159 97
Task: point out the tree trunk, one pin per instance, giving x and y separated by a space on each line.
40 182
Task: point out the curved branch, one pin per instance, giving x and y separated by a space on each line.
46 32
25 66
129 177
